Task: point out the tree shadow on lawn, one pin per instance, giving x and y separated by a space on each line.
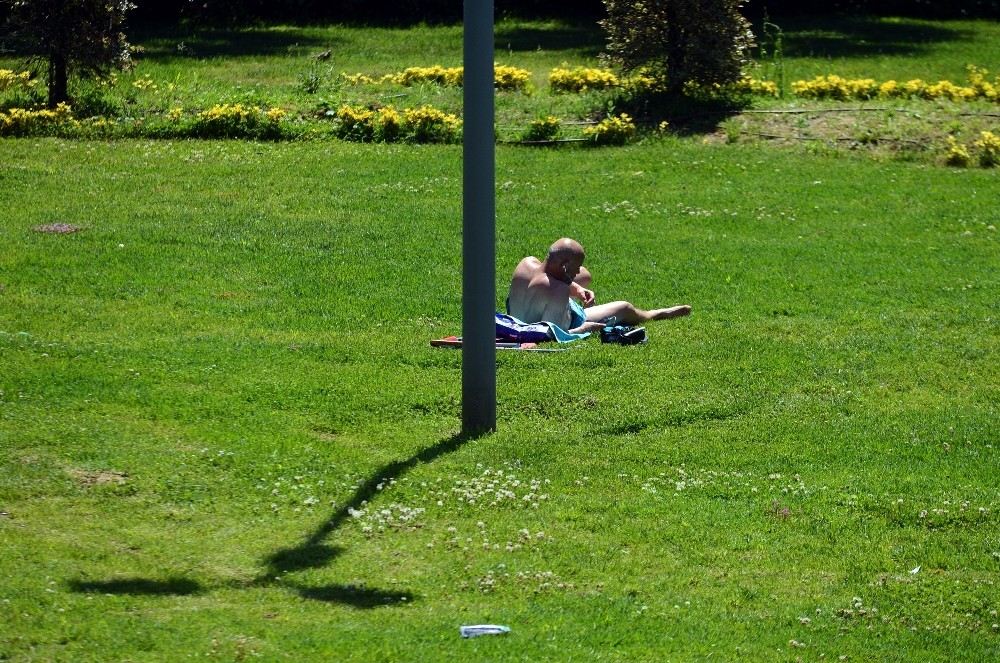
686 116
586 39
861 36
175 43
311 553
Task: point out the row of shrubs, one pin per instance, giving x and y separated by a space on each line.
843 89
579 79
223 121
429 125
583 79
386 125
504 77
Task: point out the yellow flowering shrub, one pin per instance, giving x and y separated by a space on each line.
23 122
983 87
544 128
641 82
357 79
747 85
448 76
388 124
835 87
615 130
757 86
144 84
429 125
420 125
913 88
175 114
238 121
988 147
842 89
581 79
9 80
354 123
98 127
504 77
957 154
511 78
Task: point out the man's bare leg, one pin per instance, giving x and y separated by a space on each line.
626 313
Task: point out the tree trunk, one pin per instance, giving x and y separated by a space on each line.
58 86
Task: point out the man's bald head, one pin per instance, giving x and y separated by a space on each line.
566 248
564 259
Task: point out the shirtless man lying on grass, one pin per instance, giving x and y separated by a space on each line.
545 290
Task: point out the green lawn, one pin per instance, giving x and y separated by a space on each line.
223 433
196 387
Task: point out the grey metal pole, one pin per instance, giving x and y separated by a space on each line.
479 400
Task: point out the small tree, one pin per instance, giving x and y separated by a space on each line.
679 41
75 36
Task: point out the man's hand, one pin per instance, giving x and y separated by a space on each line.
589 326
584 295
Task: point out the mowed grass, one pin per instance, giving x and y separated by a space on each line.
223 433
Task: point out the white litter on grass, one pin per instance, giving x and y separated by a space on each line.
915 571
476 630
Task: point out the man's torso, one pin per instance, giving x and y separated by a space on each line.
532 291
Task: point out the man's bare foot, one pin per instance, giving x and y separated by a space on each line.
672 312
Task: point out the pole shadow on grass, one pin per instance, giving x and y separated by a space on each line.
311 553
138 586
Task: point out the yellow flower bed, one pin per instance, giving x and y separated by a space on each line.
511 78
615 130
9 80
23 122
581 79
448 76
757 86
504 77
237 121
542 129
386 124
957 155
843 89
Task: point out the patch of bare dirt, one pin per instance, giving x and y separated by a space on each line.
57 228
921 131
99 477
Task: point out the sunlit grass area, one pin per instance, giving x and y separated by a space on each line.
224 435
224 432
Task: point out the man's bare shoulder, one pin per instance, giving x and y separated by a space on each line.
528 265
547 286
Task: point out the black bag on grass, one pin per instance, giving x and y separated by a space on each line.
623 335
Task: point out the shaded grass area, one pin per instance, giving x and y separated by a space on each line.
298 68
224 433
882 48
